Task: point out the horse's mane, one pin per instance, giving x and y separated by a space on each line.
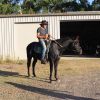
63 42
63 39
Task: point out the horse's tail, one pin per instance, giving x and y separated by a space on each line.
29 56
28 51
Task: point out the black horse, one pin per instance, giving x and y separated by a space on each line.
54 53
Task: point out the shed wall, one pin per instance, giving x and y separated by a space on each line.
7 30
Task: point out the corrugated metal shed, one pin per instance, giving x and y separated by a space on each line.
8 28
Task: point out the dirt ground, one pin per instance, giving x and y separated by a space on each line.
79 79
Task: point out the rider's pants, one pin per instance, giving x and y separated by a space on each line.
42 42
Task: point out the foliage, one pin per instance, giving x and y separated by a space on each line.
46 6
96 5
52 6
9 6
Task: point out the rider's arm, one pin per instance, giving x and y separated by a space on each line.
41 36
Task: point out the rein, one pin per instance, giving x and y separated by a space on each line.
56 41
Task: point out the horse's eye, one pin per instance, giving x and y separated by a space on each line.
74 43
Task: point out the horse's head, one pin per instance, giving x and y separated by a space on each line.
75 47
70 45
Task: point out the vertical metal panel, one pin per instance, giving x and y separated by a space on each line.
97 17
1 39
52 26
13 49
86 17
5 37
57 28
8 37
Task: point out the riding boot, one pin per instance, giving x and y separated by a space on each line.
43 61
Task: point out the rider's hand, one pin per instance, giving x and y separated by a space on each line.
46 36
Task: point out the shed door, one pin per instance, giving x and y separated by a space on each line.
24 33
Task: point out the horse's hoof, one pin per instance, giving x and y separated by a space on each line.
50 81
28 76
56 79
34 76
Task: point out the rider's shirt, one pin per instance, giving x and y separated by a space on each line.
42 31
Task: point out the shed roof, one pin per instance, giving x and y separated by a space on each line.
77 13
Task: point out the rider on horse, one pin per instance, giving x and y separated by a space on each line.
42 35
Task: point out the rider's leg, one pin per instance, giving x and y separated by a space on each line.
48 46
43 48
47 49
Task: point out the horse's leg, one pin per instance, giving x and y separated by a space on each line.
28 66
51 69
56 67
33 66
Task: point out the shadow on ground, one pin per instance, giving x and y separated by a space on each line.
16 74
48 92
7 73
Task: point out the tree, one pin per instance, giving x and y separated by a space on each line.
50 6
43 6
9 6
96 5
30 6
70 6
84 5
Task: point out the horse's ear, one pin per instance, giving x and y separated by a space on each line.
77 37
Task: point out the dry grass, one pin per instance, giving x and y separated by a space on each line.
78 66
78 78
10 61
